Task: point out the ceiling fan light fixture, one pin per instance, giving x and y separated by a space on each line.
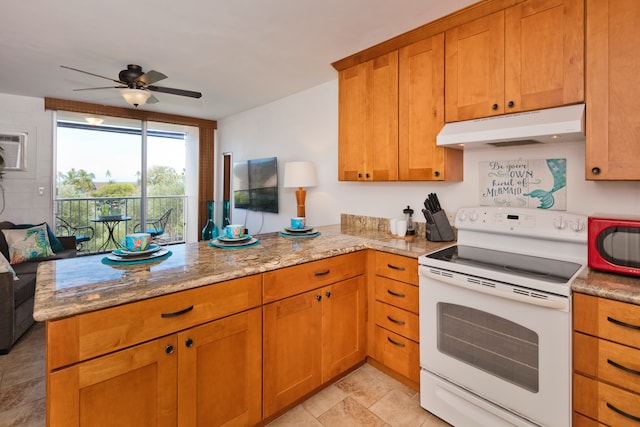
135 97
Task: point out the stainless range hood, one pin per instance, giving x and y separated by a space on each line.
553 125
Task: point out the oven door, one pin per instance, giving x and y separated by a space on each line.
491 343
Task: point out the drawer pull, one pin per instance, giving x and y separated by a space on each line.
397 322
626 325
624 414
176 313
394 267
395 294
321 273
624 368
399 344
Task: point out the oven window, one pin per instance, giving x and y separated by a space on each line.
490 343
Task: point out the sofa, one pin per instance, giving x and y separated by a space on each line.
17 296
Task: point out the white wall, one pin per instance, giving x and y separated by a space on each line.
304 126
22 201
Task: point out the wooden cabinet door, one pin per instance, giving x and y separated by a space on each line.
544 54
220 372
368 120
381 150
344 326
352 111
421 114
132 387
292 349
613 61
474 69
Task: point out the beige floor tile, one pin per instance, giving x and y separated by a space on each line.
350 413
399 410
433 421
364 386
296 417
23 393
29 415
324 400
386 379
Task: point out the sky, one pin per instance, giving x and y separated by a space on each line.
99 152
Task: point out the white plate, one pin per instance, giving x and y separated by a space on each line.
299 230
220 244
230 240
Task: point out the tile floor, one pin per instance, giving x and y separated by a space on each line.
366 397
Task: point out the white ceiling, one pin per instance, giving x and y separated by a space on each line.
239 53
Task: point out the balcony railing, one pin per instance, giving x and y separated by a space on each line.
80 212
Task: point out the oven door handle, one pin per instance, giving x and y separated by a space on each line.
554 304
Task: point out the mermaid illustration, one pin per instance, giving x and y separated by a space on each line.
558 168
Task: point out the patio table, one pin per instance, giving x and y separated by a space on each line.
111 222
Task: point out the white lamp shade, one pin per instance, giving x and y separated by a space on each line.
135 96
299 174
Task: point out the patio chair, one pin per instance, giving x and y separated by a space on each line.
155 226
82 233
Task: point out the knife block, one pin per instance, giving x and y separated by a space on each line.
440 230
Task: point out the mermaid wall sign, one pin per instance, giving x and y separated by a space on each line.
524 183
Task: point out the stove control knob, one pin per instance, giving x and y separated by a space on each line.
578 226
559 223
462 215
474 216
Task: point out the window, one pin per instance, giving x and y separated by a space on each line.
127 169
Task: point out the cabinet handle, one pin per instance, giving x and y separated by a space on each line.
399 344
318 297
436 173
494 107
621 412
624 324
367 175
328 294
595 171
176 313
511 104
395 294
397 322
188 342
359 175
394 267
321 273
168 349
624 368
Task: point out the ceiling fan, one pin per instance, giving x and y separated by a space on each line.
136 86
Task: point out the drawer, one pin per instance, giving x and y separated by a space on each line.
283 283
397 267
608 361
608 404
397 320
396 293
100 332
580 420
612 320
398 353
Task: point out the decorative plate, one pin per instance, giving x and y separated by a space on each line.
219 244
298 230
159 253
225 239
124 253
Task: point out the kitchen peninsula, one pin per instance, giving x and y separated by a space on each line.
202 333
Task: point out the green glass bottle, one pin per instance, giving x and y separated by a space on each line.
210 230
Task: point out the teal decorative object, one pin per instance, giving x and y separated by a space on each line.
226 213
210 230
558 168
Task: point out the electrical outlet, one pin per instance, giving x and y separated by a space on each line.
40 191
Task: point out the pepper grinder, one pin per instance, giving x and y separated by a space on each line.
409 214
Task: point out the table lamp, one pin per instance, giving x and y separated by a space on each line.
300 174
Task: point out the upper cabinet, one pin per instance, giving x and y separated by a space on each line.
368 120
390 110
613 62
526 57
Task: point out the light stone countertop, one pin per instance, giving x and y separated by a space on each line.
82 284
612 286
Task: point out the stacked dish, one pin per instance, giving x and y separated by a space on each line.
299 232
124 255
228 242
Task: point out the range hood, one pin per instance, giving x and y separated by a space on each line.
553 125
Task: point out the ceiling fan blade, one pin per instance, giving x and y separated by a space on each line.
172 91
152 100
104 87
92 74
150 77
